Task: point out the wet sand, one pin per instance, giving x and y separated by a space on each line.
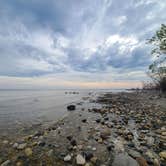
124 129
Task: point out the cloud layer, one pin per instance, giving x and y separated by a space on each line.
80 40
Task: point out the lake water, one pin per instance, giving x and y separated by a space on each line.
33 106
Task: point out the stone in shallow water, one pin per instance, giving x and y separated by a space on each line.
123 159
80 160
142 161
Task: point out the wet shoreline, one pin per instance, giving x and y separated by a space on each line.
114 129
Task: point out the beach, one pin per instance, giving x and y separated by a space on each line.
92 128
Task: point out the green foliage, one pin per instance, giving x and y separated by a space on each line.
157 70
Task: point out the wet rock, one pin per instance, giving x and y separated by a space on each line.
67 158
141 161
28 152
84 120
98 120
41 143
69 137
5 142
134 154
73 142
88 155
6 163
163 155
123 159
71 107
80 160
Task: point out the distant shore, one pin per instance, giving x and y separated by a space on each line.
125 129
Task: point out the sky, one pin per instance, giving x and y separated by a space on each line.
77 44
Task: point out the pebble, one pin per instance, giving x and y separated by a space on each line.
134 153
21 146
28 152
80 160
67 158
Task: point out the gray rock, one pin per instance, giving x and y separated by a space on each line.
134 153
21 146
123 159
6 163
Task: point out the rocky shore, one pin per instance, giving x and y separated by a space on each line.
122 129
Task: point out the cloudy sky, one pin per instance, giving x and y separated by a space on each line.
76 43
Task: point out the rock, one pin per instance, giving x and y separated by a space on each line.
73 142
5 142
123 159
163 155
94 160
150 141
88 155
6 163
28 152
15 145
141 161
67 158
80 160
105 134
98 120
156 162
69 137
41 143
84 120
21 146
71 107
50 152
134 154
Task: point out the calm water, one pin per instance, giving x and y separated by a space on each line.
33 106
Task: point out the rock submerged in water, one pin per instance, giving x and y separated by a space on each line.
71 107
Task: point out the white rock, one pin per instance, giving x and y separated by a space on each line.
80 160
67 158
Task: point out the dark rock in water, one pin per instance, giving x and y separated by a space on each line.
88 155
123 159
110 147
106 118
41 143
84 120
69 137
73 142
98 120
71 107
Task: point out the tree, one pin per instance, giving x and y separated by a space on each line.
157 70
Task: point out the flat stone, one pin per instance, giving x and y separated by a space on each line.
80 160
123 159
